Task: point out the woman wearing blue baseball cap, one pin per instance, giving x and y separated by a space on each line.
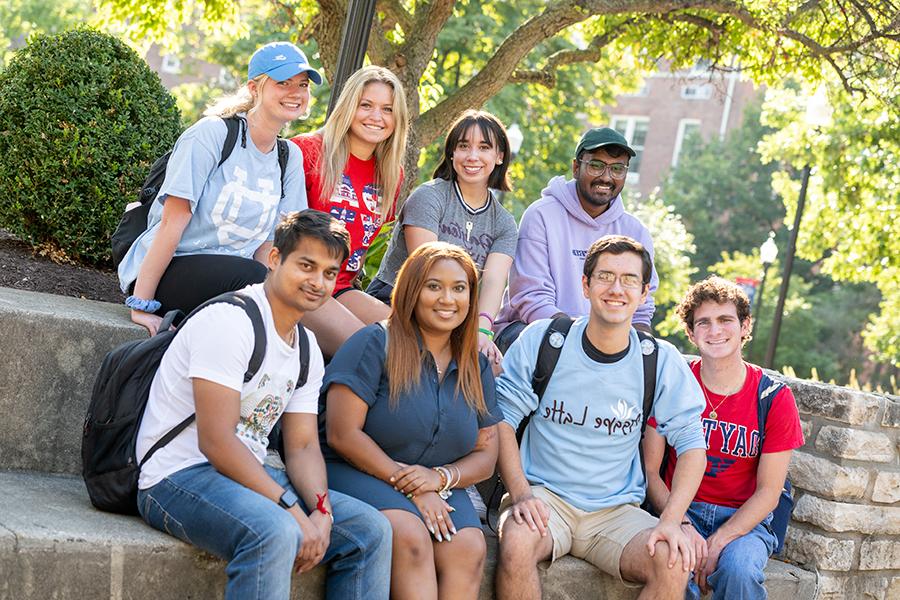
227 180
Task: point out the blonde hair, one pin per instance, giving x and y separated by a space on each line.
389 153
404 354
242 101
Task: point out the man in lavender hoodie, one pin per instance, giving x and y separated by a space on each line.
556 231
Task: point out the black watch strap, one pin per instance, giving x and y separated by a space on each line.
288 499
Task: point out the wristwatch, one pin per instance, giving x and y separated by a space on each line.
288 499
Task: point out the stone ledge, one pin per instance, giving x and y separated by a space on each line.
51 349
53 544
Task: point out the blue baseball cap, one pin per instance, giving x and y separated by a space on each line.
280 61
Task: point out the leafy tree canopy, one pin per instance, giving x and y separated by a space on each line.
851 223
773 38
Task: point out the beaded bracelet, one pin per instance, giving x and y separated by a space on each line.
149 306
487 332
446 475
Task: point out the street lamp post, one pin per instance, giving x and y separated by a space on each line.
818 113
767 254
354 41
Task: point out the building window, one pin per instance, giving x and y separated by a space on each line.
697 91
688 132
635 131
171 64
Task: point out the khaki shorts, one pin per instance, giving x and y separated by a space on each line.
598 537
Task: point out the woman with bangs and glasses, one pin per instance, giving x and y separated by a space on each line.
212 222
458 206
353 172
410 422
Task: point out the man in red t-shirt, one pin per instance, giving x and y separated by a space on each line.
730 517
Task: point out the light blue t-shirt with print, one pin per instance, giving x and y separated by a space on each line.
582 442
234 208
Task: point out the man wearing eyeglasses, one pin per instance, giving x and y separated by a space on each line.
576 483
556 231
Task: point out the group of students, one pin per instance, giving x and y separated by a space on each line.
380 445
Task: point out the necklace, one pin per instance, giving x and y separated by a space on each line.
713 414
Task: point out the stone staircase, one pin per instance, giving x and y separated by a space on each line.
55 545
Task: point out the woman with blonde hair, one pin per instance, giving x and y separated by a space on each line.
411 421
213 220
353 169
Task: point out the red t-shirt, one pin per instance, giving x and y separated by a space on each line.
355 201
732 439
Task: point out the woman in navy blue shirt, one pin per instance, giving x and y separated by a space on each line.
410 423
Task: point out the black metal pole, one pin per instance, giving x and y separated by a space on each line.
757 312
354 41
786 277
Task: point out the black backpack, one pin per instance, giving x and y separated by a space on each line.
134 222
548 355
121 389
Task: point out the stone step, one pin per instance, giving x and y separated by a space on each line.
50 350
55 545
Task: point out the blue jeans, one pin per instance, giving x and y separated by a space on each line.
739 572
260 540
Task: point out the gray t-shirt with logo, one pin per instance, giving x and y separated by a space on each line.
437 206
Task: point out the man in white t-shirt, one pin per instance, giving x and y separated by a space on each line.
209 486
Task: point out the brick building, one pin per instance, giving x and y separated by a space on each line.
671 107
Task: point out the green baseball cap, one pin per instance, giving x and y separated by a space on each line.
602 136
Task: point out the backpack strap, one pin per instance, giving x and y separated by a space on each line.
259 352
548 355
235 126
283 155
766 391
649 359
303 347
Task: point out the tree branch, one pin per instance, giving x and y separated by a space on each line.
395 13
547 75
429 19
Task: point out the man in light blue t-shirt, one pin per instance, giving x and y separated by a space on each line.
578 476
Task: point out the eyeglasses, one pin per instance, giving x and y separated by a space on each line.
627 280
596 168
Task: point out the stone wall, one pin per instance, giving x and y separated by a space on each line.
846 522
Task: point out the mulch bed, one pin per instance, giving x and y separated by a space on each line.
22 269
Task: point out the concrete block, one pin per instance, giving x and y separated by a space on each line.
52 347
841 404
893 591
839 516
875 555
853 444
54 545
824 477
887 488
838 586
816 550
891 412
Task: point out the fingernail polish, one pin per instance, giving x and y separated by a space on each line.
439 538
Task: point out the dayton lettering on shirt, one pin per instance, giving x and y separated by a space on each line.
736 440
624 420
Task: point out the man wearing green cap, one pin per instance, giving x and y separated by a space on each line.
545 279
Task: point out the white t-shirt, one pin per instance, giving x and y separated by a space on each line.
216 345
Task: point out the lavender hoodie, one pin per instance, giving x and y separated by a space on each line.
554 236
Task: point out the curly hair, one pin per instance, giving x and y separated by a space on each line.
718 290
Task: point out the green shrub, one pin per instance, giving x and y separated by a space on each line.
82 118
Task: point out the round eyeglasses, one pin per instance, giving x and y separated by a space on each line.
596 168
